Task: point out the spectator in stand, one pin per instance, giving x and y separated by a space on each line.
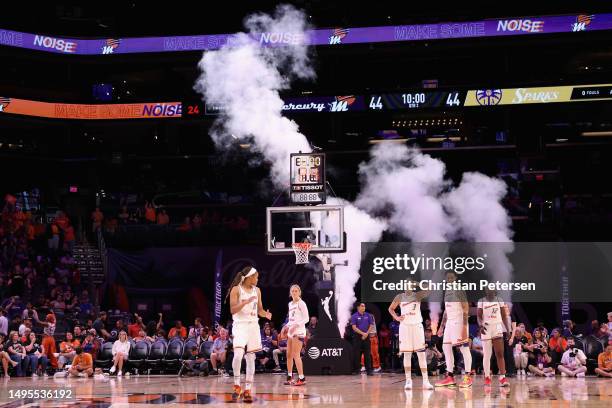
434 356
219 350
610 322
124 215
3 323
603 334
384 340
82 365
59 306
268 342
281 347
178 330
543 365
569 329
185 226
28 313
48 341
69 238
136 327
17 353
90 344
556 346
194 331
311 328
205 335
54 238
85 306
142 336
196 363
78 333
35 355
121 351
97 217
163 218
119 327
573 362
67 350
477 352
604 362
100 325
520 350
5 358
160 335
149 210
543 330
26 325
197 222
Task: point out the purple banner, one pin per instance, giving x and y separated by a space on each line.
331 36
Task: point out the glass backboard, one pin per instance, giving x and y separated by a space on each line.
322 226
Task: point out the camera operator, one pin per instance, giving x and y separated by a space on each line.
573 362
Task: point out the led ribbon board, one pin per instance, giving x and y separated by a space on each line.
335 36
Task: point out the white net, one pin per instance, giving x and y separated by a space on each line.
302 250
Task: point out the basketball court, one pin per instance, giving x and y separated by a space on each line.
349 391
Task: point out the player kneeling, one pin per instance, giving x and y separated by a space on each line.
411 333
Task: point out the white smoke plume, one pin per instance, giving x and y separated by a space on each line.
477 212
360 227
245 79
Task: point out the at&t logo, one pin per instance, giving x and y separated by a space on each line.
315 352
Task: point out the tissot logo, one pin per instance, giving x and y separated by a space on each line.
315 352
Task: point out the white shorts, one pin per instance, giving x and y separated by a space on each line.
297 331
411 337
493 331
453 333
247 335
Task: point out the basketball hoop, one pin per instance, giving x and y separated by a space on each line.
302 250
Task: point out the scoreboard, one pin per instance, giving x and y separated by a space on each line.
307 183
416 100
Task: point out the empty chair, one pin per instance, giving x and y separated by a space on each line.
138 355
105 355
157 353
174 354
592 348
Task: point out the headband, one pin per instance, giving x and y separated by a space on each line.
252 272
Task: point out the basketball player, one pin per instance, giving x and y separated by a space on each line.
411 332
492 317
296 322
245 306
454 327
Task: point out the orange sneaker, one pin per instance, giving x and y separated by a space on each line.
487 381
503 382
300 381
448 381
247 397
236 393
466 382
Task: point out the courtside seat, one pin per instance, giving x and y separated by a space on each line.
105 355
592 348
206 349
174 354
189 344
138 354
157 353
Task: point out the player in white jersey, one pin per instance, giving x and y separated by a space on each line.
246 307
492 317
411 332
454 328
296 323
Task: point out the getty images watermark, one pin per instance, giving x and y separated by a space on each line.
519 272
